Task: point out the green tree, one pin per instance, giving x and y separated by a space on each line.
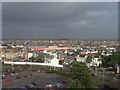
115 58
112 60
61 62
40 58
32 59
79 71
75 53
89 59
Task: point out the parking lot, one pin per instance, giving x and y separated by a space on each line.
34 80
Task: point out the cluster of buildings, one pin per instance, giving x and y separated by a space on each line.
56 52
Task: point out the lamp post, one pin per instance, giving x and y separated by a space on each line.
31 65
117 68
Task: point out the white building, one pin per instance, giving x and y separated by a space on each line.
80 59
30 55
95 62
94 52
2 46
54 61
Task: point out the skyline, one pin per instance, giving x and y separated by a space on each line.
51 20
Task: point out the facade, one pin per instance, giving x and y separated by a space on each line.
95 62
80 59
30 55
10 55
54 61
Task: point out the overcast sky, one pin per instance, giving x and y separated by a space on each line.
49 20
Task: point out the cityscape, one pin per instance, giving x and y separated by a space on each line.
60 45
29 60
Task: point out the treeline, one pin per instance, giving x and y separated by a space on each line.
112 60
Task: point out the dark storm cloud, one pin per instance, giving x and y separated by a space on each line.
60 20
0 21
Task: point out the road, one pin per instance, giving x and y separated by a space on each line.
109 80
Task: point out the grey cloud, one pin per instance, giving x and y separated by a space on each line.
60 20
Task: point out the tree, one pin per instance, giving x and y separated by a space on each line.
89 59
61 62
79 71
112 60
115 58
32 59
40 58
75 53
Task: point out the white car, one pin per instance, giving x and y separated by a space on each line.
49 86
13 74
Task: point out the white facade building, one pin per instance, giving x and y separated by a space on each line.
30 55
54 61
94 51
95 62
80 59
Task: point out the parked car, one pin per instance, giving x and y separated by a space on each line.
64 81
18 77
49 86
34 84
3 76
58 84
29 86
